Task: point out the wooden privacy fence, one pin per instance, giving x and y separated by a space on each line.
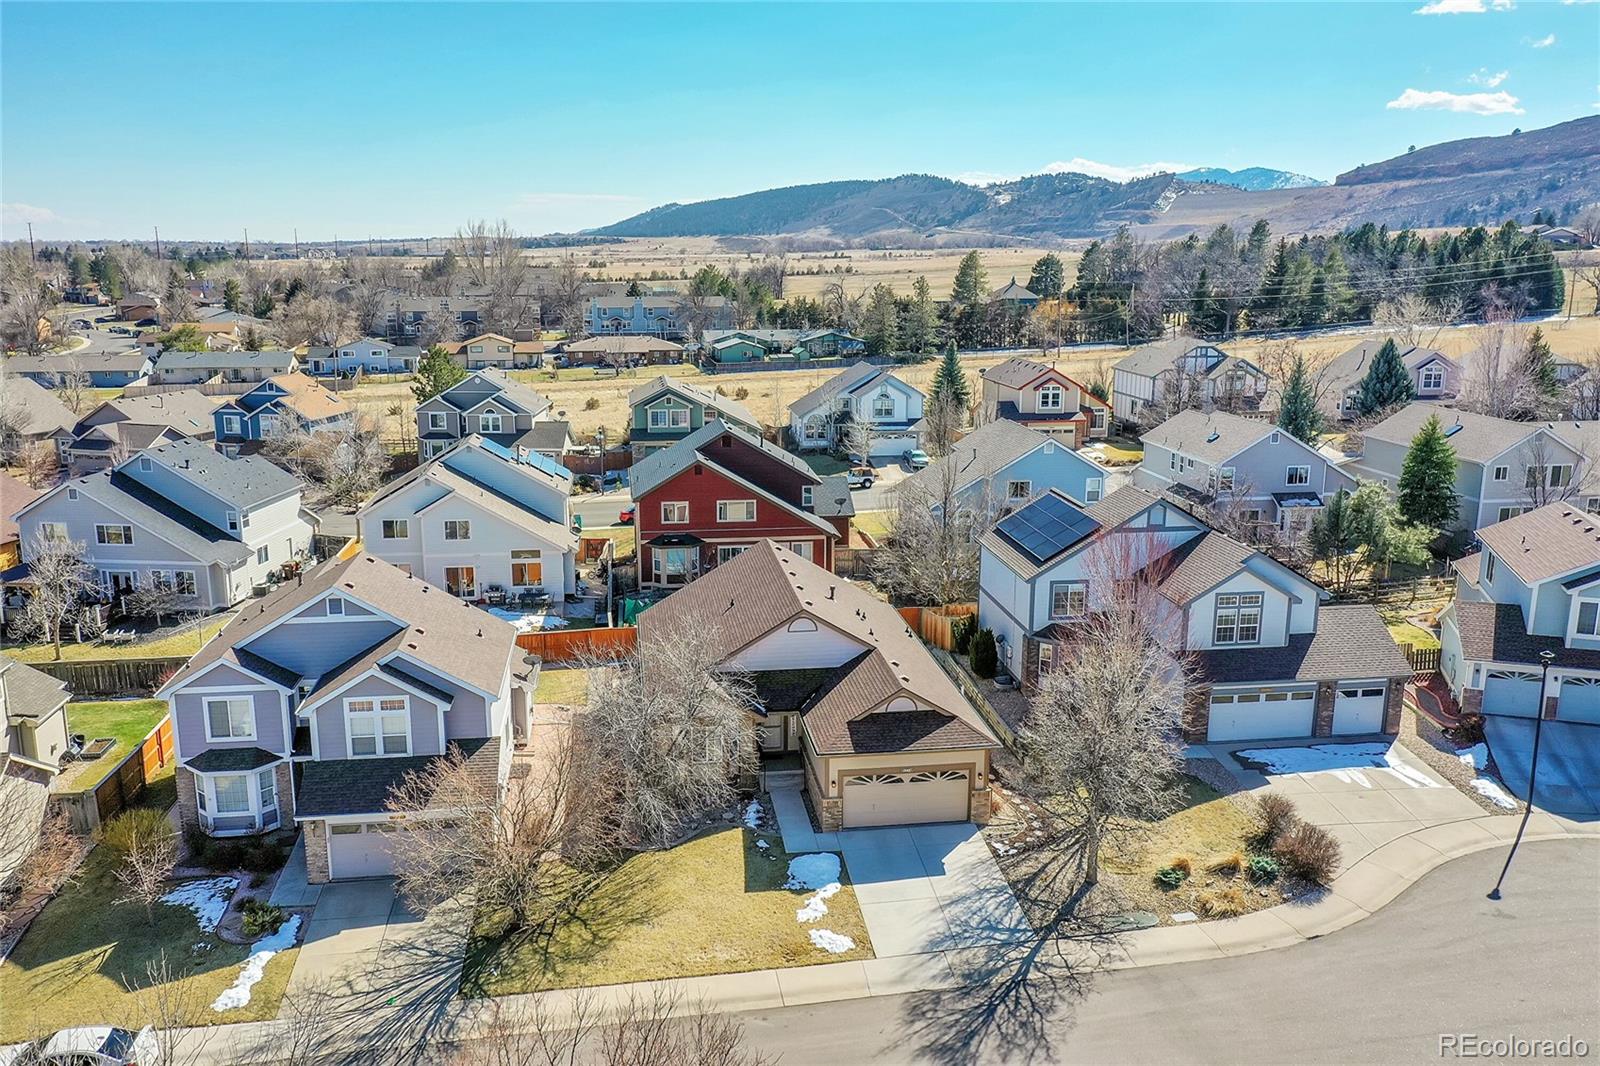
565 645
936 625
1423 660
853 563
103 678
92 808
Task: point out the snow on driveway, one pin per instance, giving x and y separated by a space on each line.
808 873
207 897
1346 761
255 965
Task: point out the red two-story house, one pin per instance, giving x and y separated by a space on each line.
722 489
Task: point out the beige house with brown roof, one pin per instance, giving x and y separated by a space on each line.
885 735
498 351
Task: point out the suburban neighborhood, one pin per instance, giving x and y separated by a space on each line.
868 619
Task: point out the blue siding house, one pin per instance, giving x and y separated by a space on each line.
251 418
104 370
1001 464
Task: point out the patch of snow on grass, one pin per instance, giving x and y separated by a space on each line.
817 905
238 993
1346 761
528 622
831 942
1475 757
763 845
1492 792
811 872
207 897
752 815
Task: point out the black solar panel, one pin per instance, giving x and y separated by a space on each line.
1046 527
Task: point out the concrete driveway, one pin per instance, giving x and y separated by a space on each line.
930 888
363 941
1569 763
1364 793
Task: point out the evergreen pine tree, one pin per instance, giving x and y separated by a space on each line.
232 295
1540 364
972 282
950 381
436 371
1049 277
881 324
921 319
1205 312
1426 493
1298 414
1387 384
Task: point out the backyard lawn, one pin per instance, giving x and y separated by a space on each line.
1414 635
623 539
171 644
715 904
128 721
570 687
76 960
873 523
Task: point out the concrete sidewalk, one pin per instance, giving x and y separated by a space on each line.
1368 885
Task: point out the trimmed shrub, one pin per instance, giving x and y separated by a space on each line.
260 918
1308 851
224 855
136 825
961 634
263 857
1170 877
1263 869
1231 863
1183 863
1225 902
1275 815
985 658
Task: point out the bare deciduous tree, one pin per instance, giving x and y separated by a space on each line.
71 382
62 581
14 422
40 462
28 323
565 296
1496 379
1552 474
159 600
667 734
1101 747
945 420
172 1005
344 463
931 556
148 859
1414 320
38 850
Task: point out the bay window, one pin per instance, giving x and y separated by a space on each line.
231 804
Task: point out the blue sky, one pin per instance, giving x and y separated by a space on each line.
407 119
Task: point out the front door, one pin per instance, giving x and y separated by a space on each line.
117 582
461 581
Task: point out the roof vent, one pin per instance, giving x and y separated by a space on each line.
1213 437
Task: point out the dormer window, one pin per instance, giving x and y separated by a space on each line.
1432 378
144 463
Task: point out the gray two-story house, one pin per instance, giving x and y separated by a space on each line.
1534 588
668 409
1503 468
887 411
1434 376
1155 380
490 404
311 706
182 516
1268 474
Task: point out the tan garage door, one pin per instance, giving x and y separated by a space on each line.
905 798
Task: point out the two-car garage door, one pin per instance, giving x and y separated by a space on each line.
360 849
1262 714
906 798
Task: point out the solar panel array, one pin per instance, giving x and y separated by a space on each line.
532 458
1046 527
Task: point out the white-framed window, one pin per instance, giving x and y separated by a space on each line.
378 726
1093 489
736 510
815 429
1047 656
728 551
396 529
1432 378
267 788
145 464
1297 475
489 422
883 406
232 793
461 581
1225 480
263 555
1097 418
1560 475
335 607
230 423
1591 504
1238 618
1172 460
807 495
230 718
53 530
183 582
1019 490
233 521
1501 473
107 534
669 417
1068 599
802 548
1051 398
435 419
1488 567
1506 513
1588 618
675 513
527 568
457 529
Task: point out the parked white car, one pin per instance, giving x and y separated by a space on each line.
88 1045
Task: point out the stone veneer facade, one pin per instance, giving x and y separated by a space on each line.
1197 710
189 813
316 836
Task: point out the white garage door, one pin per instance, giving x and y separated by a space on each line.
1358 707
905 799
360 849
1261 714
892 447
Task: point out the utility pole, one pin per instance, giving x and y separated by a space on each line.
158 242
247 244
297 242
32 255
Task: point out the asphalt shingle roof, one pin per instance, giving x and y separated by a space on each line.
231 760
1351 641
1352 364
1151 359
665 463
733 409
1209 438
1480 438
1545 542
1498 633
361 786
982 453
851 378
248 482
30 693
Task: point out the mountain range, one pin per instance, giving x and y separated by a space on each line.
1480 179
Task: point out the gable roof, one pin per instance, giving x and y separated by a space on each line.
985 452
1546 542
187 410
29 693
766 587
128 499
131 361
16 496
1013 291
1211 438
528 399
1480 438
171 359
1350 641
303 395
1351 365
43 414
546 469
247 482
664 464
1151 359
856 376
464 487
621 344
448 635
705 397
1109 511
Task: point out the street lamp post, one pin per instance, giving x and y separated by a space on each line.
1545 659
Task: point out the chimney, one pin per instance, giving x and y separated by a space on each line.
830 591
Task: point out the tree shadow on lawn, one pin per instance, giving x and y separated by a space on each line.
1008 996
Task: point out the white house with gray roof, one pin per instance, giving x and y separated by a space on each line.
370 355
485 402
1270 475
863 394
1434 376
1001 465
183 516
1503 468
1155 380
118 428
173 367
1271 659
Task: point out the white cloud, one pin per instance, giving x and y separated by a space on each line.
1464 7
1500 103
1485 78
1543 42
1079 165
15 214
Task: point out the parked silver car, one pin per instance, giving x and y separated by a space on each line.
87 1045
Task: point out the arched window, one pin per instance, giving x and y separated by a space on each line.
902 703
802 625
